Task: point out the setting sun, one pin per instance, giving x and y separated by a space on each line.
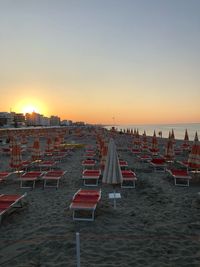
30 105
29 109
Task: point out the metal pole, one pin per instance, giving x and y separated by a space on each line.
78 250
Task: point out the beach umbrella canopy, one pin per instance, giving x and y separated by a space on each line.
154 144
144 142
112 172
186 144
49 144
36 153
194 156
173 136
16 158
169 149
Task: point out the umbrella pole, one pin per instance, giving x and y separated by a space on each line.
115 204
78 250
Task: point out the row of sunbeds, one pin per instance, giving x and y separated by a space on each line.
29 179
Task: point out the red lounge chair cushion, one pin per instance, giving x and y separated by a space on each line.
9 198
31 174
128 174
179 172
54 173
5 205
4 174
158 161
86 199
88 161
91 172
85 192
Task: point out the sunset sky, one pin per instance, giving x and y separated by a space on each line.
101 61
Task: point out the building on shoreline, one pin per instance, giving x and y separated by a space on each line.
18 120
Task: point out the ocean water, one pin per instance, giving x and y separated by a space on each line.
179 129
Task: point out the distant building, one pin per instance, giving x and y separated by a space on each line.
79 123
33 119
19 119
54 121
6 119
44 121
66 123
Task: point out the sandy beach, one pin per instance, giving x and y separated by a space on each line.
157 224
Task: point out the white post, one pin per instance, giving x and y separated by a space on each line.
78 250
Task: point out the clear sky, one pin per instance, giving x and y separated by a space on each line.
99 61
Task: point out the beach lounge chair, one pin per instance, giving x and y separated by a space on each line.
84 204
9 202
29 177
181 177
52 176
91 177
46 165
89 155
184 164
26 165
88 163
4 176
159 164
123 164
136 151
129 179
144 158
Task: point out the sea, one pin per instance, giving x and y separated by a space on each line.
179 129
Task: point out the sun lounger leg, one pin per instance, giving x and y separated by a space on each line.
76 218
182 184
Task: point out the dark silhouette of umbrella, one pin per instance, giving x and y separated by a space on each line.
16 158
194 156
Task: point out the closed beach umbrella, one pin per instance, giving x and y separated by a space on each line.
49 144
173 136
194 156
154 144
36 154
112 172
186 144
144 142
169 149
16 158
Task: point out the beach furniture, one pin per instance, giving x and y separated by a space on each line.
159 164
181 177
4 176
46 165
84 204
91 177
112 173
184 163
9 202
29 177
123 164
89 155
144 158
136 151
129 179
6 151
52 177
88 163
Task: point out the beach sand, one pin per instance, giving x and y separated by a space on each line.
155 224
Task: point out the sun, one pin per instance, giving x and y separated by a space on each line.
30 109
